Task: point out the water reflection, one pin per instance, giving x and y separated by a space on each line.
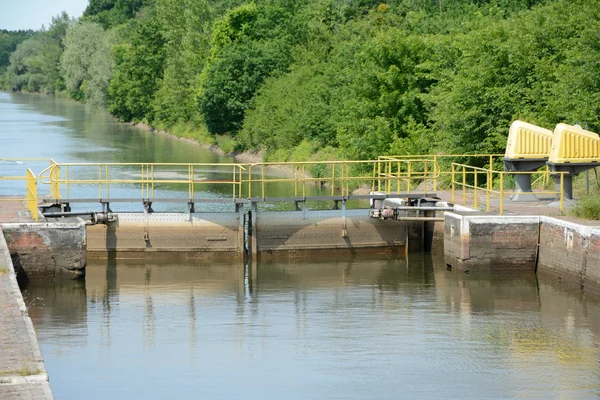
400 327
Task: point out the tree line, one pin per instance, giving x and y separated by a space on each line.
323 79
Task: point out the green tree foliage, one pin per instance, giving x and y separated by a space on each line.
137 75
249 44
35 64
185 26
86 63
110 13
8 44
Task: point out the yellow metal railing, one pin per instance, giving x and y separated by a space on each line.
149 177
474 180
31 193
441 162
340 177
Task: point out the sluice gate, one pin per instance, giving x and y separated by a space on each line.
390 223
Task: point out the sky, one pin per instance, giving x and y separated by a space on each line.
31 14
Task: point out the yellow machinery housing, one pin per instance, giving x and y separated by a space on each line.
527 149
574 150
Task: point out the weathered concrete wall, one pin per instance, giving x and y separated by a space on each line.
305 233
564 249
22 371
47 251
139 235
484 242
592 266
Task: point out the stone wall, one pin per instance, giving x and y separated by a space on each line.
564 249
473 241
568 251
22 371
47 251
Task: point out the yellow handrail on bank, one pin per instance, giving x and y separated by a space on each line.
31 193
467 178
437 158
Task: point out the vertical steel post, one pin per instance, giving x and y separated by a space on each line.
435 170
501 192
453 182
464 184
475 204
489 190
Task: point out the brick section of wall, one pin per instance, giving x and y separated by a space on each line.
563 249
475 242
503 245
47 251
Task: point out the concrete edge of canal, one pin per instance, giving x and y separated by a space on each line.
23 374
565 250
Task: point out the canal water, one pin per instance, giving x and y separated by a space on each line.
384 328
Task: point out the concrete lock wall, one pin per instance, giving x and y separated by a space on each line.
47 251
484 242
198 235
306 233
564 249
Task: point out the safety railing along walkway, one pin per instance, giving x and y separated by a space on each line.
31 190
469 182
234 182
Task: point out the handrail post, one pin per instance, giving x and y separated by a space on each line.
32 194
379 176
332 179
262 180
250 181
501 192
425 175
152 171
464 184
233 182
409 166
435 173
453 182
398 177
489 190
475 204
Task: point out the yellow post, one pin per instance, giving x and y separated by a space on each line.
453 182
379 176
262 180
233 182
491 160
501 192
152 171
435 170
107 183
295 180
99 180
32 194
425 175
398 177
67 181
489 190
373 182
388 176
304 181
409 167
332 178
250 181
475 201
464 184
191 187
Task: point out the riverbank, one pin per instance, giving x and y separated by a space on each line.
23 374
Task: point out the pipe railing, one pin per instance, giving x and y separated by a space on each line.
467 179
